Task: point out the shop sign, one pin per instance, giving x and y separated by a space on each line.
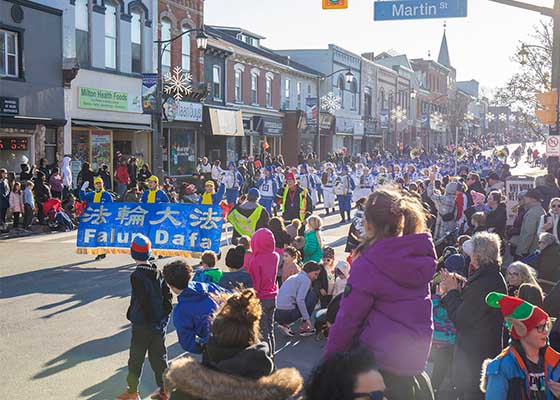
13 143
187 111
273 126
108 100
9 105
370 127
149 87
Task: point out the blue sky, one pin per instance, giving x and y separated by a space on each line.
480 45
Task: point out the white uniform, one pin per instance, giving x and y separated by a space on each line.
328 191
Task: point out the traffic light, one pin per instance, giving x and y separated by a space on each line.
549 102
335 4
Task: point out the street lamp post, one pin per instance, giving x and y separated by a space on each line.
348 77
157 120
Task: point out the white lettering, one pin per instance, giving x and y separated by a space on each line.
423 9
102 237
206 244
122 237
193 238
162 237
89 234
179 240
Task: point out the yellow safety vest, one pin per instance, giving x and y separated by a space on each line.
302 202
245 226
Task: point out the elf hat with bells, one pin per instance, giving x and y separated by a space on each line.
522 316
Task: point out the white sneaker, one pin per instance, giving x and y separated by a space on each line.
286 330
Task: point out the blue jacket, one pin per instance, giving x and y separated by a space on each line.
509 366
271 188
150 301
88 197
192 314
216 197
161 196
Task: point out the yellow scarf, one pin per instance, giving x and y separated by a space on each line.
207 198
97 196
152 196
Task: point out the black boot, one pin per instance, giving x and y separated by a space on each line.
100 257
342 216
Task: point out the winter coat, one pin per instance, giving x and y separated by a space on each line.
445 204
122 174
4 193
528 238
85 176
504 377
264 265
57 183
387 307
478 327
150 301
312 250
555 230
191 315
197 381
548 192
41 191
16 201
548 266
497 219
66 172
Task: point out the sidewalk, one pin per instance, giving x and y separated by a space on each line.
17 233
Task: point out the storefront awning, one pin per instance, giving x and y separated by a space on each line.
110 125
225 122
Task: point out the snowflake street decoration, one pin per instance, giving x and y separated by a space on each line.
398 114
330 102
512 118
503 117
490 117
178 84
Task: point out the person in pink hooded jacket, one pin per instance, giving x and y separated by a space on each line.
263 270
386 305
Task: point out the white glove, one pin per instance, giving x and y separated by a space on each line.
85 185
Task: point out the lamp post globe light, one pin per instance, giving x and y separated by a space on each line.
157 123
348 78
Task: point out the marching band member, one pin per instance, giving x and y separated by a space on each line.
343 192
233 182
328 180
268 188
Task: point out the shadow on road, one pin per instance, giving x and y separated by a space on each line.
84 285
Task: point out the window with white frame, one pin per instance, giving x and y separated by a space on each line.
238 80
254 88
111 35
308 90
354 91
298 92
9 54
81 19
136 42
166 35
287 89
268 91
217 82
186 50
341 84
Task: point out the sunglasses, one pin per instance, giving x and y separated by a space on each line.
377 395
544 328
555 206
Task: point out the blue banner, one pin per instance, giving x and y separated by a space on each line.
174 229
384 119
419 9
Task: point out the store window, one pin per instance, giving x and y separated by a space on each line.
182 152
231 150
81 13
15 148
136 39
80 144
111 35
50 145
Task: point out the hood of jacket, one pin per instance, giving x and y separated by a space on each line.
263 242
252 362
198 291
409 261
201 382
66 162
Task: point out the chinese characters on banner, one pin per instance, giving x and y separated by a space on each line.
174 229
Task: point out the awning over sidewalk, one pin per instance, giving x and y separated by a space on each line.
225 122
111 125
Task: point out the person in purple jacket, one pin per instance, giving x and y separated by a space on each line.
386 304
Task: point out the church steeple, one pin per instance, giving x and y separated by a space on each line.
443 57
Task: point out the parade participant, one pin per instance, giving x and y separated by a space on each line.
343 191
210 196
236 364
306 182
318 184
217 171
233 182
268 187
99 195
296 202
529 368
154 194
328 180
149 310
195 305
365 186
204 167
386 306
263 271
246 218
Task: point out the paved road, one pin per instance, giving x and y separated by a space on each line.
63 326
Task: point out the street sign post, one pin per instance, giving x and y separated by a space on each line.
553 146
419 9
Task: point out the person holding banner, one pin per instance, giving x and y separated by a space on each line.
99 195
246 218
210 196
154 194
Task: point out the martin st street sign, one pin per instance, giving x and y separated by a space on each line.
419 9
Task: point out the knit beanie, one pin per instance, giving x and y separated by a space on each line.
253 194
523 316
455 263
290 177
478 198
235 257
141 248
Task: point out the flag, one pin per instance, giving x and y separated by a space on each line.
265 144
